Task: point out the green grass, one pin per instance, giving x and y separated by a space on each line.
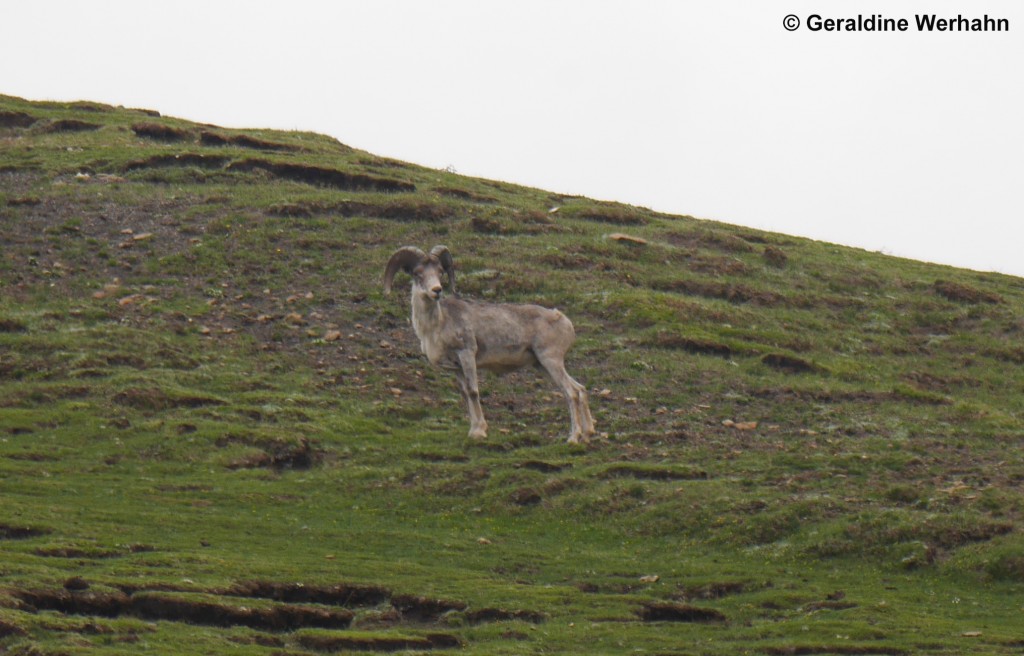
212 417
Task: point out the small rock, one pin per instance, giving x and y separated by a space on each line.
203 330
385 344
618 236
483 541
108 290
396 391
294 318
76 583
605 393
142 236
728 423
652 578
332 336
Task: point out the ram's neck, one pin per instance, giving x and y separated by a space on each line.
427 317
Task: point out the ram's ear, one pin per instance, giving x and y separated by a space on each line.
406 259
447 263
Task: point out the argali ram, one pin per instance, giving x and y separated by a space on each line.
465 336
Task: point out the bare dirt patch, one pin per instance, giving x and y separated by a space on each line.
790 364
14 532
425 609
167 607
718 266
653 473
70 125
24 201
279 453
678 612
828 604
462 194
845 650
342 594
613 215
692 345
775 257
709 239
282 617
244 141
102 604
544 467
526 496
321 642
12 326
714 590
394 210
503 615
791 395
16 120
155 400
959 292
197 160
732 292
161 132
323 177
443 457
8 629
518 223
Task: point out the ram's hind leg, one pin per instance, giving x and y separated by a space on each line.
586 419
582 424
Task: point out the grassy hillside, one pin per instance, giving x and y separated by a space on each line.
217 435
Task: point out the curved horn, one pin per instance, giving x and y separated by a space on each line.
406 259
447 263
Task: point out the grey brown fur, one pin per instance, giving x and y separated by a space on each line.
465 336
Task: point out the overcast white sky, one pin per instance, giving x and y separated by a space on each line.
909 143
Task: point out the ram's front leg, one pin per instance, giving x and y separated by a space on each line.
471 393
